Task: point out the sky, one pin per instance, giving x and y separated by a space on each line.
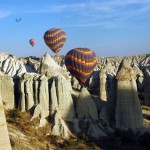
108 27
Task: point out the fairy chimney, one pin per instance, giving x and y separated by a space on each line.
128 113
147 87
103 85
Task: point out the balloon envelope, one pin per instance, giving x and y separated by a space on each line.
80 62
55 39
32 42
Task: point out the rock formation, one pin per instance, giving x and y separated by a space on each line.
50 68
45 90
60 128
4 137
13 67
65 101
128 111
7 91
85 106
103 85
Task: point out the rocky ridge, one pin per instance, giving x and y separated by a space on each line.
44 88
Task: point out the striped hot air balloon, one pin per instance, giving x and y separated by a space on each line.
55 39
80 62
32 42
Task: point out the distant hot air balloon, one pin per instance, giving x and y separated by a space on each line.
55 39
32 42
80 62
18 19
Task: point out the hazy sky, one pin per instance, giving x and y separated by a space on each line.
108 27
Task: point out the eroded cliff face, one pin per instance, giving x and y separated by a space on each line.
44 88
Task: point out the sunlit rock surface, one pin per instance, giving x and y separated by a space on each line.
44 88
7 91
103 85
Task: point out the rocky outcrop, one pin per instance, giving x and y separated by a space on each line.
25 87
128 112
33 64
103 85
59 127
22 101
46 89
50 68
65 101
13 67
75 84
4 137
93 81
85 106
7 91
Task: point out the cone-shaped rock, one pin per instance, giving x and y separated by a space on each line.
51 68
128 111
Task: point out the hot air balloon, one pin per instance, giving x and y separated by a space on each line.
32 42
55 39
80 62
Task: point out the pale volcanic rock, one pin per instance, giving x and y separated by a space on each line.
126 72
93 80
35 65
7 91
53 97
75 84
145 62
13 67
59 127
140 82
128 112
50 67
65 101
36 112
50 91
137 71
29 93
44 96
25 87
22 104
103 85
4 137
110 69
85 106
3 57
41 106
36 88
